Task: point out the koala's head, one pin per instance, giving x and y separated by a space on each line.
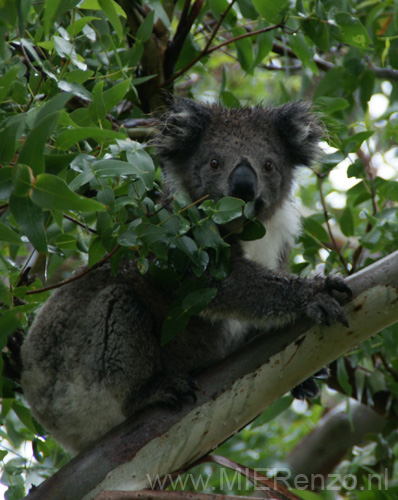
247 153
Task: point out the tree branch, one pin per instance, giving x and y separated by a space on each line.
232 394
206 51
335 434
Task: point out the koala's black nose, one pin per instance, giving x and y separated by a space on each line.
243 183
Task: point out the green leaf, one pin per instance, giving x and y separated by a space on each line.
330 105
252 230
225 210
207 235
96 251
357 169
229 100
272 10
78 76
354 142
53 9
302 48
189 247
264 45
9 131
342 376
52 192
56 103
9 235
178 317
318 31
352 32
22 180
97 109
198 300
32 153
69 137
66 241
315 229
114 168
175 323
24 416
346 221
29 218
79 24
128 238
7 81
67 50
110 10
244 49
273 411
144 31
94 5
6 185
115 94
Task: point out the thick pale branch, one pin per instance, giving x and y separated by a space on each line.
335 434
232 394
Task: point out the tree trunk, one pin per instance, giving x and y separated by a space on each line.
232 394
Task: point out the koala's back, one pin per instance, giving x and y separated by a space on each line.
81 353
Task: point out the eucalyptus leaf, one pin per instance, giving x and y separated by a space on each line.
52 192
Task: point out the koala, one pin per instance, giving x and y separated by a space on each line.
93 357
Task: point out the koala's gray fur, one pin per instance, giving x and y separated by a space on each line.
93 357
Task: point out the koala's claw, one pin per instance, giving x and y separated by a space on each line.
338 284
173 390
325 310
307 389
322 374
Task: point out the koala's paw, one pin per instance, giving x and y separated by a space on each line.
173 390
309 388
325 309
336 283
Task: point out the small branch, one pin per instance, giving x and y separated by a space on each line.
84 226
78 276
331 235
184 27
218 25
208 51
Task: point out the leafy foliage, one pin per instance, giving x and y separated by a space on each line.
78 184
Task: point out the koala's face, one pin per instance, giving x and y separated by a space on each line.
247 153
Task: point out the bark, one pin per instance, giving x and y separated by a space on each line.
231 395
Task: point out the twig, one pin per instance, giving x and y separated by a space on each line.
208 51
217 26
75 221
78 276
332 238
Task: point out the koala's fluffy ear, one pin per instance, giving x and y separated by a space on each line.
300 131
180 129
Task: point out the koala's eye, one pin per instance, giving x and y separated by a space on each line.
269 165
214 163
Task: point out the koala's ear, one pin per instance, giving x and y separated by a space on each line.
180 128
300 130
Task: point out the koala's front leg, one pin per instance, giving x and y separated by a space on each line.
259 295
